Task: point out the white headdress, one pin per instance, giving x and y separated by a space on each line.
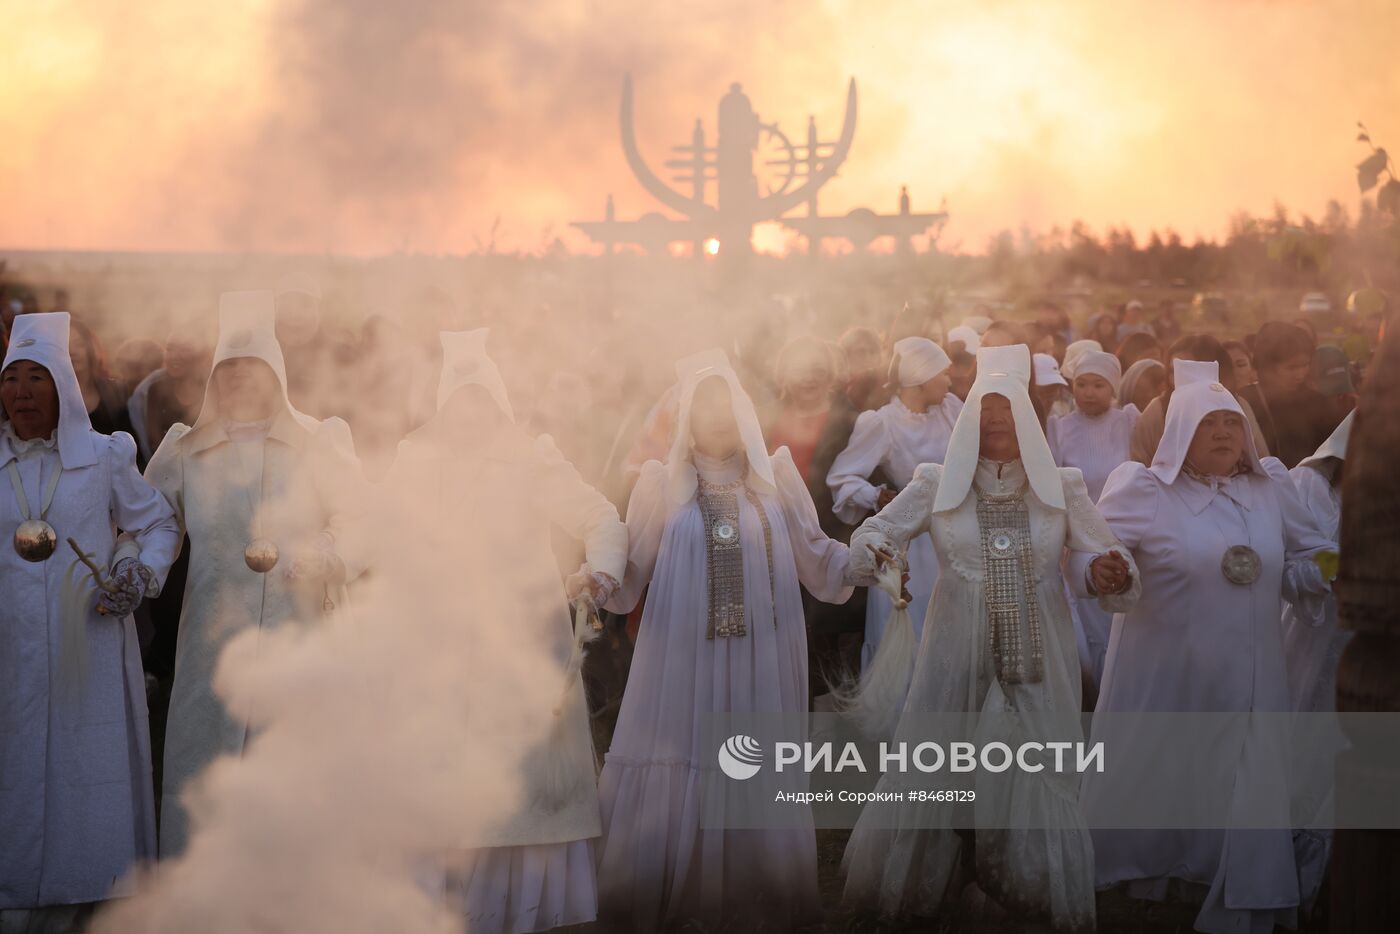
919 360
1074 351
690 372
1098 363
466 363
1186 372
247 328
978 323
1198 393
43 339
1335 447
1003 371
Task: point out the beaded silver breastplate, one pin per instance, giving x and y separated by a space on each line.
724 556
1008 584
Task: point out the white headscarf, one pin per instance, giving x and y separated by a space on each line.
43 339
918 360
1128 388
971 340
1074 351
466 363
978 323
1003 371
1334 447
1098 363
1192 401
1047 371
247 328
690 372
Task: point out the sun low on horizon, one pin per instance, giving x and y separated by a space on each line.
349 127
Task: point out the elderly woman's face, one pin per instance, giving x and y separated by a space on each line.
1218 444
998 429
713 429
248 388
30 399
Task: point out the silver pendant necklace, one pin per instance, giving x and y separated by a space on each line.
35 540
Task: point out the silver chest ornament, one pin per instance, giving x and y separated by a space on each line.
35 540
260 555
725 533
1241 565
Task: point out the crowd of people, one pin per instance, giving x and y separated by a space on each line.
1159 496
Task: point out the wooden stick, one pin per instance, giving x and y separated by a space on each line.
97 574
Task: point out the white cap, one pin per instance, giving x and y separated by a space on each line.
971 340
1047 371
978 323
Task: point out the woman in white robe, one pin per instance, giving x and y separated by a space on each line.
1094 438
1313 644
252 482
532 869
913 428
731 641
1219 536
1033 857
77 810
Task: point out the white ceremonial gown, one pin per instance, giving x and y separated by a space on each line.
76 802
1096 446
1046 873
1313 643
897 441
657 864
76 799
533 869
1197 642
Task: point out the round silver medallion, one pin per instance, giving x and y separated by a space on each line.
260 555
35 540
1241 565
1002 542
725 533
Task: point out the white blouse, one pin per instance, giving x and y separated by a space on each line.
896 439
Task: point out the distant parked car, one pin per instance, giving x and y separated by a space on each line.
1315 303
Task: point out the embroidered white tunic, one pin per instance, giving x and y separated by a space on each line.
896 440
657 863
905 868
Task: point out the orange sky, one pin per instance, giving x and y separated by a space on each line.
362 126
